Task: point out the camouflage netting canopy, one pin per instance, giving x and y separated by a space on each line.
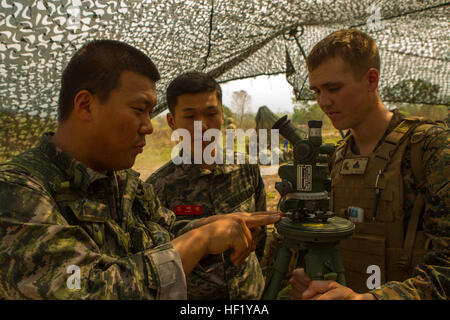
230 39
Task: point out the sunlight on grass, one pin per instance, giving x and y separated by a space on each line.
158 147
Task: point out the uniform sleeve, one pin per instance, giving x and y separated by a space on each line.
431 279
43 257
158 189
260 205
260 191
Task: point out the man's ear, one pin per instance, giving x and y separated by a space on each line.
373 76
82 105
171 120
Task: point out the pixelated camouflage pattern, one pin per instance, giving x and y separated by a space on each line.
431 279
224 189
110 225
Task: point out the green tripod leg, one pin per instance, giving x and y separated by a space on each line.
316 241
280 268
323 262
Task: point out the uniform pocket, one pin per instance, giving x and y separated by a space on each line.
238 195
386 206
360 252
92 217
88 210
397 267
246 205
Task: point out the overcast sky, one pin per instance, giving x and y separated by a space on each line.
273 91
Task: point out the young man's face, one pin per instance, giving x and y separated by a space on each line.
339 94
202 106
122 122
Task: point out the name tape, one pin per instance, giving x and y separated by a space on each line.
188 210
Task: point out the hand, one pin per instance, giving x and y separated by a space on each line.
219 234
234 215
255 231
331 290
299 283
234 231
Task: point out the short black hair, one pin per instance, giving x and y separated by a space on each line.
97 67
191 82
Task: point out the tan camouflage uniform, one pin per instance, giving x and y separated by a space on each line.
431 279
55 212
227 188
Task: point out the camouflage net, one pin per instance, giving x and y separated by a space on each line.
230 39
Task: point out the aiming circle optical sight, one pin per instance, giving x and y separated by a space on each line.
308 226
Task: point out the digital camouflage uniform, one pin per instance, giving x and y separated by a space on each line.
431 279
227 188
55 212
